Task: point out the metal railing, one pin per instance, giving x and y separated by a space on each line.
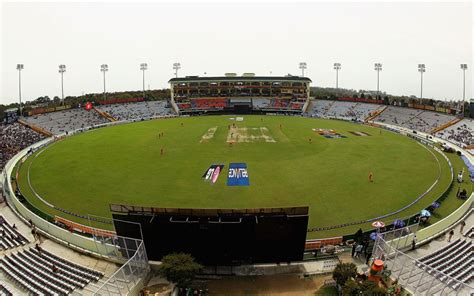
414 275
131 274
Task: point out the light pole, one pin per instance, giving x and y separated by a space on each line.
303 66
176 67
421 69
143 67
19 67
463 68
104 68
62 69
378 68
337 67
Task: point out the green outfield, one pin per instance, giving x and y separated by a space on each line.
289 164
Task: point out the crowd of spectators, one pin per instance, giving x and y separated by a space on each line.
136 111
461 133
67 120
13 138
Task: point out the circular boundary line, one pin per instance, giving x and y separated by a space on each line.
314 229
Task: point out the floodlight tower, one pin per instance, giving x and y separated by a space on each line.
104 68
303 67
62 69
143 67
19 67
421 69
463 68
176 67
378 68
337 67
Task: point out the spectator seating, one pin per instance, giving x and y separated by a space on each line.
260 103
41 272
343 109
9 237
461 133
206 104
427 121
397 116
134 111
13 138
4 291
321 108
414 119
470 232
67 120
455 260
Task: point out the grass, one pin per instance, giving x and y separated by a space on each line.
123 164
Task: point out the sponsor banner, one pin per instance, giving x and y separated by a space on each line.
212 173
238 175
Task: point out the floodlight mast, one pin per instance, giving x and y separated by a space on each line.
378 68
303 66
421 69
143 67
176 67
19 67
62 69
104 68
463 68
337 67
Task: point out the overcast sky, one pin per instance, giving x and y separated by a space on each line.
264 38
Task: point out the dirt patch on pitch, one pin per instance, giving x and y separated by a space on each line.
249 135
209 134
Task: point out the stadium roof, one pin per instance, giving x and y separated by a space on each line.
233 78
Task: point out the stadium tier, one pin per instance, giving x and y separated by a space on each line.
461 133
343 110
420 120
13 138
136 111
67 120
455 260
244 94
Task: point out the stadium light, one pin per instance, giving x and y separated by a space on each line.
104 68
378 68
337 67
421 69
19 67
143 67
463 68
176 67
303 66
62 69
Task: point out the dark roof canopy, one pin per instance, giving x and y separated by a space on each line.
242 78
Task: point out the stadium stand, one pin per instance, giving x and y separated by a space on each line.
133 111
13 138
4 291
67 120
260 103
427 121
343 109
455 260
461 133
420 120
41 272
9 236
321 108
397 116
470 232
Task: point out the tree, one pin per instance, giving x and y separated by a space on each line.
343 272
351 288
179 268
